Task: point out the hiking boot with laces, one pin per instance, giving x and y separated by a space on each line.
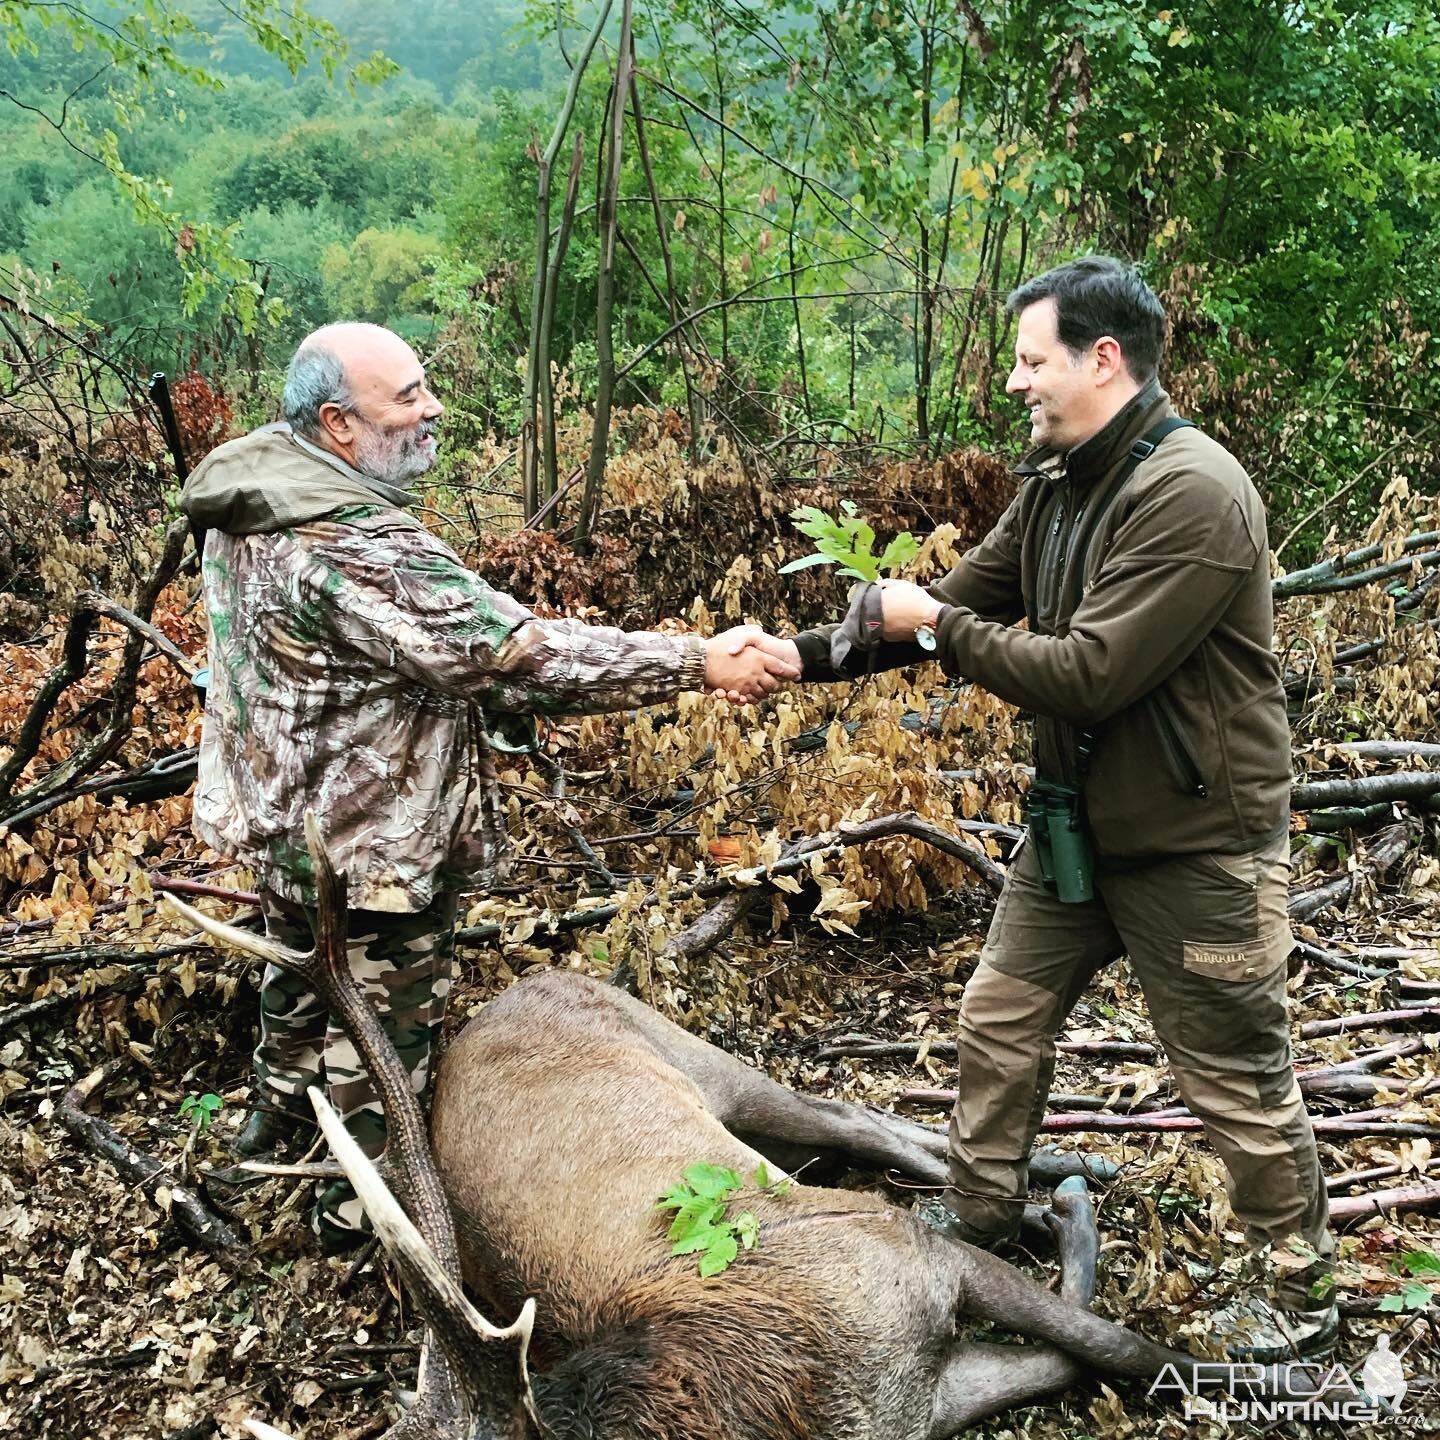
1255 1331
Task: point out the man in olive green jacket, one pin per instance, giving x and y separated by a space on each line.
1136 548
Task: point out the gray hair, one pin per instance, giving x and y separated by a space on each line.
315 378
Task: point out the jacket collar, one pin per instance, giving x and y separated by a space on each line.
1097 455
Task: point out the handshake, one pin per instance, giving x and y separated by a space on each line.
747 663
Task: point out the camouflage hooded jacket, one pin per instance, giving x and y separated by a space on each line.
352 656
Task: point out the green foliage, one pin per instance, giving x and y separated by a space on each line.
380 275
845 194
200 1110
1421 1266
848 541
143 54
701 1225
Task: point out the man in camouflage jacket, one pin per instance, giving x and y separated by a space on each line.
360 670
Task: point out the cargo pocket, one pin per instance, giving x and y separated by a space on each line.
1235 943
1233 999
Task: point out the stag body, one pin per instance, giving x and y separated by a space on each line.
561 1114
637 1343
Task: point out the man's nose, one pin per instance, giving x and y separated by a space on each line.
1016 382
433 408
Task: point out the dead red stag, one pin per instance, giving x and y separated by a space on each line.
561 1114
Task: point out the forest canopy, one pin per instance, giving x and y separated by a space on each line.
834 199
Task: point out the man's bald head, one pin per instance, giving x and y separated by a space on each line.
359 391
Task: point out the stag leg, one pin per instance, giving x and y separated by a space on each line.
982 1380
787 1128
974 1385
792 1130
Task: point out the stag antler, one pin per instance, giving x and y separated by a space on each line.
470 1387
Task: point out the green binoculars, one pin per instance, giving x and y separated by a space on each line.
1055 815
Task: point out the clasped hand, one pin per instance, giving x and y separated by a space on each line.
746 664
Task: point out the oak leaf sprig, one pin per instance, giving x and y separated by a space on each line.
849 542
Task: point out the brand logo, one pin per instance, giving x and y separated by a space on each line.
1314 1391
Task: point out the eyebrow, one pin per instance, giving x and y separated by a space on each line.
410 388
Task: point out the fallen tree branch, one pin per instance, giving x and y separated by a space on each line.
1362 1123
1347 1085
1329 576
102 605
883 827
124 984
1366 789
1378 1202
1400 985
1373 1059
95 955
596 865
1409 1017
858 1048
1390 750
1354 1085
1338 1184
92 754
1415 1017
181 1203
198 887
1347 817
1387 848
169 775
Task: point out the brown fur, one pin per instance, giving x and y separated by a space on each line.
733 1356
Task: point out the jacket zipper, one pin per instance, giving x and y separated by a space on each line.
1184 767
1049 581
1067 561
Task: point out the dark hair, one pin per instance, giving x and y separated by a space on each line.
1098 296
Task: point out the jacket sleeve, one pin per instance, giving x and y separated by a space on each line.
1176 562
405 600
986 581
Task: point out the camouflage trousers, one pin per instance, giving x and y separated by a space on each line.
402 964
1207 937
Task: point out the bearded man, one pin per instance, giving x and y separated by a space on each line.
360 670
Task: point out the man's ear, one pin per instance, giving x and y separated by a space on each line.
1107 358
336 422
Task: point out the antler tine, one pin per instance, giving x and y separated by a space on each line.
261 1431
436 1292
260 946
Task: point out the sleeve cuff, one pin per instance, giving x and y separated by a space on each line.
947 622
814 651
692 664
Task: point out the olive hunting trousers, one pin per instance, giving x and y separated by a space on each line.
1207 937
402 964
